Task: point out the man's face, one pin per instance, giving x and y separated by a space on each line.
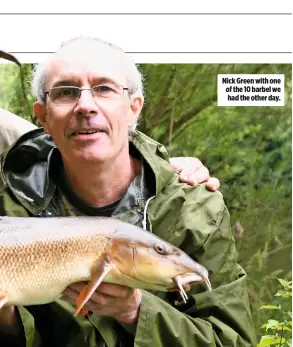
107 119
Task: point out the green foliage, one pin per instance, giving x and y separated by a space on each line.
15 92
280 330
248 148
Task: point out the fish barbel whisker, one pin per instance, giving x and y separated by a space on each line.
208 284
178 281
188 280
193 278
183 295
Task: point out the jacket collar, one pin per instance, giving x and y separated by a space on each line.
26 167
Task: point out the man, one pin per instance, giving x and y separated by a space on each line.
191 170
89 97
11 128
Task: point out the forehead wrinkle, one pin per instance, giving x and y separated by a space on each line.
75 72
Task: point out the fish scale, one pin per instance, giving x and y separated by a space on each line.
40 258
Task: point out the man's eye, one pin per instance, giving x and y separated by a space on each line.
63 93
67 92
104 89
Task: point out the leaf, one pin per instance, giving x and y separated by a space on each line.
270 307
268 340
272 324
283 293
284 283
283 328
275 325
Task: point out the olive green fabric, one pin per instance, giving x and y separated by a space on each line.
11 128
191 218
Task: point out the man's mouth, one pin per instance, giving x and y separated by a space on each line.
86 132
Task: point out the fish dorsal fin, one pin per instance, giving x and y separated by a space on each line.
101 269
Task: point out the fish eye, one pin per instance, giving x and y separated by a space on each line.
160 249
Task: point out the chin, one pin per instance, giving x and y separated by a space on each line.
93 156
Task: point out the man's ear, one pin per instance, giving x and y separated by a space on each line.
136 104
40 111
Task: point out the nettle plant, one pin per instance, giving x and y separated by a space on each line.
279 330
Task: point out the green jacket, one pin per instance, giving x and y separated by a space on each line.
192 218
12 127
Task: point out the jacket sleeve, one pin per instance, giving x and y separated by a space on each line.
12 127
8 204
220 318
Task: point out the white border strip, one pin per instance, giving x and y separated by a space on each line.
150 33
150 6
158 58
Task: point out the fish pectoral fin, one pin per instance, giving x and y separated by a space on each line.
101 269
3 299
79 302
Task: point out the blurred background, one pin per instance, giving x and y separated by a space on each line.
247 148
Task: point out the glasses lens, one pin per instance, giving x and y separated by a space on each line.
64 95
108 91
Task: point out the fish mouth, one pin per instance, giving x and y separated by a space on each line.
185 281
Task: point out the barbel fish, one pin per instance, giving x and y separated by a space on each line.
40 257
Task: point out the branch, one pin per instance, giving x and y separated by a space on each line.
188 117
162 104
23 92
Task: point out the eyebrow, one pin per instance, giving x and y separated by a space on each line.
100 80
73 82
65 82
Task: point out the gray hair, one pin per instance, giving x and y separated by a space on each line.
133 76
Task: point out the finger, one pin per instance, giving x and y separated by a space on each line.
191 167
201 175
94 304
70 292
103 303
78 286
192 181
97 303
7 314
68 299
213 184
113 306
115 290
188 165
177 164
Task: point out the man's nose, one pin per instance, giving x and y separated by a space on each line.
86 104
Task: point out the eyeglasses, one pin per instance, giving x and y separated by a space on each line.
70 94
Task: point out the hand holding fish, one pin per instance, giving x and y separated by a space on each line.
113 300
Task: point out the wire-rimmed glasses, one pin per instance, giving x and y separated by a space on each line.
70 94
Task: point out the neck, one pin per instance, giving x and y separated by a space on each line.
100 184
